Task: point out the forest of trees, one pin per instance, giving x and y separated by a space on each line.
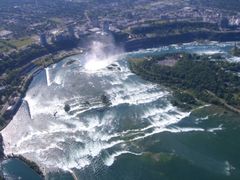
196 74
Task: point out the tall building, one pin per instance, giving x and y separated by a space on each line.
36 3
105 26
224 23
71 31
43 39
94 22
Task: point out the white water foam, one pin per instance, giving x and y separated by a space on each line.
234 59
219 128
111 158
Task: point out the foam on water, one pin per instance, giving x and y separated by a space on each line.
219 128
234 59
111 158
209 52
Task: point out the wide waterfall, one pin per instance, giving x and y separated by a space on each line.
92 135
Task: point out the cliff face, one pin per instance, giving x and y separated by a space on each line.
181 38
1 148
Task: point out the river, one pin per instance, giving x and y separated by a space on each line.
141 135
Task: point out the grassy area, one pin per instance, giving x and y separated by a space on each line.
7 45
21 42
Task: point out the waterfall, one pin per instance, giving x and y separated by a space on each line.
48 76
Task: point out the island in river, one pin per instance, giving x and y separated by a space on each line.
195 79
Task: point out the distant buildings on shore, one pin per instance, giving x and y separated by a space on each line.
72 32
57 36
43 39
4 34
106 27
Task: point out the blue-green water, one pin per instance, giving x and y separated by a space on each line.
16 169
140 136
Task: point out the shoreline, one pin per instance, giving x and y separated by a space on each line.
37 70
